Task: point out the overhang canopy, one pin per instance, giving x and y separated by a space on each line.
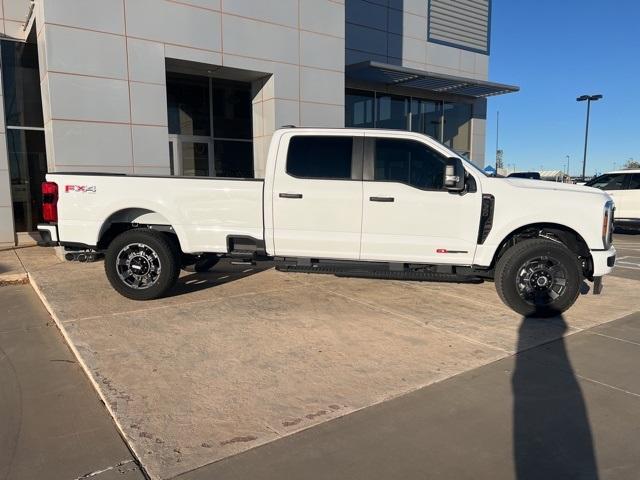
394 75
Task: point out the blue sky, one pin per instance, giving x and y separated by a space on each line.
555 51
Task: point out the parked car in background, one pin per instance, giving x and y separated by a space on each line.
624 187
532 175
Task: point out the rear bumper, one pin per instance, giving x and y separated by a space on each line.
603 261
48 235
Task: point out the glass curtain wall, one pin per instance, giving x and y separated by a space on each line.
25 130
447 122
210 126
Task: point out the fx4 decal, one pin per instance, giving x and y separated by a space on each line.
80 188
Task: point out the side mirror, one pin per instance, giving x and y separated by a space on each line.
454 175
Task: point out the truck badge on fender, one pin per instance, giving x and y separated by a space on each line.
80 188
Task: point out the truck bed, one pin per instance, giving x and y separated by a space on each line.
202 211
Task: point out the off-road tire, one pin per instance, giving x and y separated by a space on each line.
168 256
510 263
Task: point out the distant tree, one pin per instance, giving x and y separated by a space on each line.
631 163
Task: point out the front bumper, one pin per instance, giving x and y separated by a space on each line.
603 261
48 235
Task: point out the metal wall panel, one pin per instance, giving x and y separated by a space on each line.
460 23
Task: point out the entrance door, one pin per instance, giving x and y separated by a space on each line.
317 197
191 156
27 167
407 214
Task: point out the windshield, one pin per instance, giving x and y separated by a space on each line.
469 162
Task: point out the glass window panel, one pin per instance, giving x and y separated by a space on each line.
359 109
391 112
320 157
233 158
457 127
195 159
27 169
188 105
634 183
609 181
21 80
408 162
426 117
231 109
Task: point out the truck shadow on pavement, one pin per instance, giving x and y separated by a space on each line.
223 272
552 436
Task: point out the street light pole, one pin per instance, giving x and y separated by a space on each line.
589 99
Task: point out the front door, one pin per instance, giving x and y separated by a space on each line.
407 214
317 197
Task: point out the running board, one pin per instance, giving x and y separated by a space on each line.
408 275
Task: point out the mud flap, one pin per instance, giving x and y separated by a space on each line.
597 285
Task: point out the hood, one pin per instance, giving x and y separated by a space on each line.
544 185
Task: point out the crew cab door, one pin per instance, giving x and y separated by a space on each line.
408 216
317 196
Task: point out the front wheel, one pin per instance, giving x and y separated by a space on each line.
142 264
538 277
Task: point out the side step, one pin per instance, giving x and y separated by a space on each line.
380 273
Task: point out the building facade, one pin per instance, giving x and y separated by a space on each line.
197 87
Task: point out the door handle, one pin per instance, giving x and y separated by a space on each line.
290 195
382 199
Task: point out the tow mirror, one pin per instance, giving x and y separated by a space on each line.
454 175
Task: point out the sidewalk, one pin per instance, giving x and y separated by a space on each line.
569 409
11 269
53 425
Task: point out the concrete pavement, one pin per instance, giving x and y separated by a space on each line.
241 357
628 256
52 424
568 409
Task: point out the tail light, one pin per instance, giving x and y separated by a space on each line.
49 202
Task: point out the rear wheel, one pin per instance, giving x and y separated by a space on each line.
142 264
538 277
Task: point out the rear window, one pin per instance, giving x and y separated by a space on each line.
320 157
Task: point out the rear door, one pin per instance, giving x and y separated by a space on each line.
407 214
317 196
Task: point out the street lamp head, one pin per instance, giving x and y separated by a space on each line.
592 98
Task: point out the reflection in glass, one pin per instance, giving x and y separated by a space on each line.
21 80
359 108
391 112
233 159
195 159
27 167
426 117
231 109
188 104
457 127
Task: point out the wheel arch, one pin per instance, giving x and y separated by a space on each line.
554 231
134 217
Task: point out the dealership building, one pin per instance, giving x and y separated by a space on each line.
197 87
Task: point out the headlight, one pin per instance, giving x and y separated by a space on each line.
607 224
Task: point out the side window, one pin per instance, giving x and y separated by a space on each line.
634 183
608 181
320 157
409 162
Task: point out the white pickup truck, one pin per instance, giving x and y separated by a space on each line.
351 202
